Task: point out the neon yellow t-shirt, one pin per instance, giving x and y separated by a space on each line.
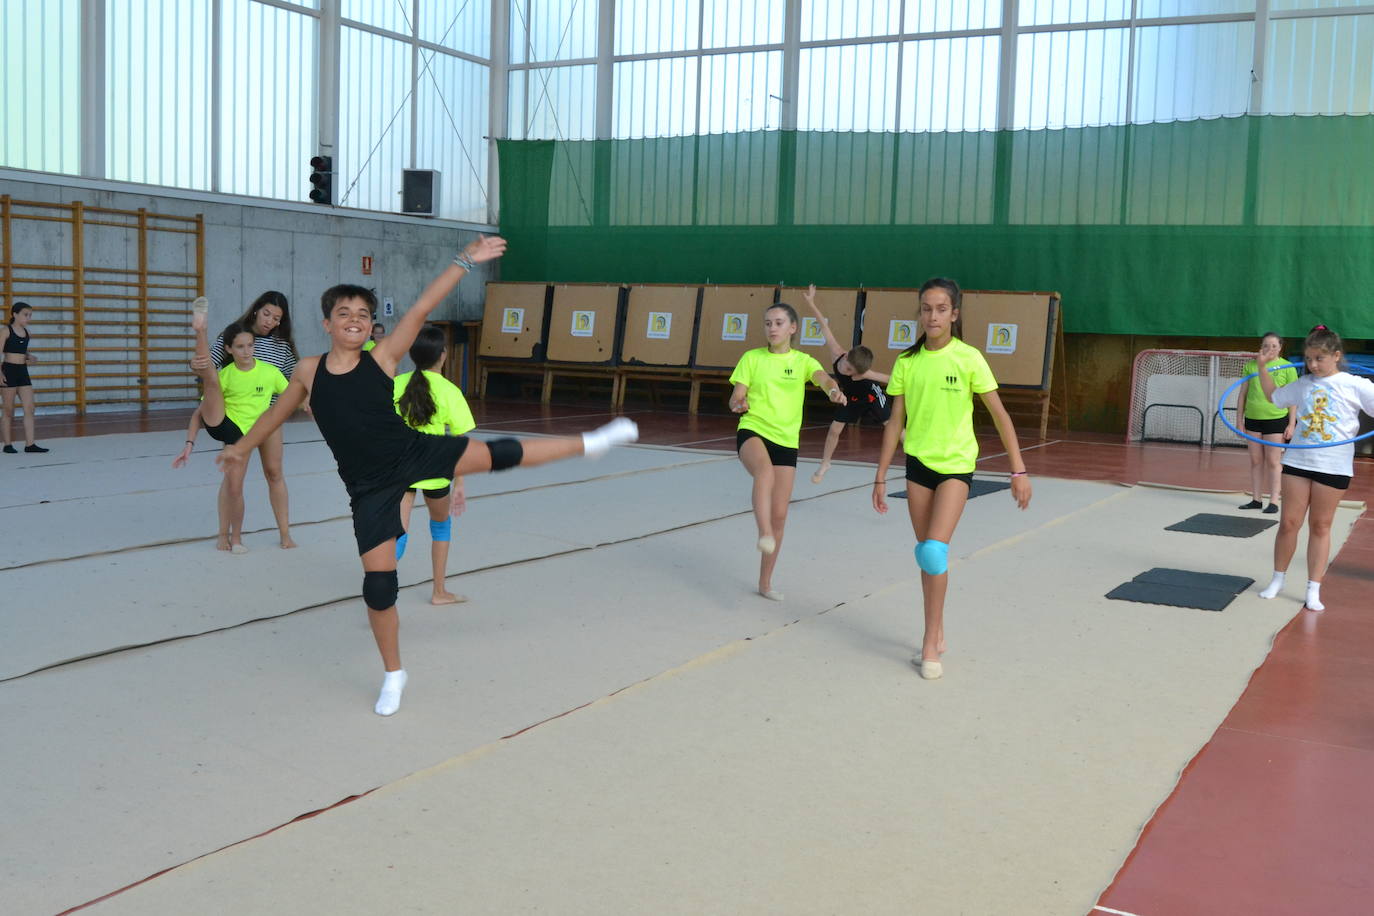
248 393
1257 406
777 388
452 416
938 388
369 344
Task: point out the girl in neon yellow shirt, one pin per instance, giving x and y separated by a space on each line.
1265 421
432 404
932 390
770 385
235 397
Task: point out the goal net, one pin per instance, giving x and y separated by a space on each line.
1174 396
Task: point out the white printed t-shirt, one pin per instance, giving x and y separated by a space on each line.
1328 411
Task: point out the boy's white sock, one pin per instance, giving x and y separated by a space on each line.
1274 587
617 432
1314 596
389 700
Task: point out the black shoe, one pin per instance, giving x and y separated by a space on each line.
1271 509
11 450
34 449
1252 504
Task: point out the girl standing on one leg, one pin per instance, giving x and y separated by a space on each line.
378 456
269 318
770 386
432 404
234 399
1328 402
1270 423
862 386
14 376
932 390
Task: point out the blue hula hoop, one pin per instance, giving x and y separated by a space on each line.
1221 412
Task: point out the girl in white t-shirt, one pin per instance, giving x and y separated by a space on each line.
1328 402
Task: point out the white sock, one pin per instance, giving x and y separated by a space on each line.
1274 587
1314 596
389 700
617 432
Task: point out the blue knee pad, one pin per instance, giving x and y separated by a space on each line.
441 531
401 545
932 557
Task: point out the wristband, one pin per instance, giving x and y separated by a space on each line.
463 261
190 442
832 391
1018 473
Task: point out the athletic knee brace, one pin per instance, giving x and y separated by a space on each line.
380 589
441 531
505 453
932 557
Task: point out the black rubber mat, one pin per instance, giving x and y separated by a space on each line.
979 488
1229 526
1182 588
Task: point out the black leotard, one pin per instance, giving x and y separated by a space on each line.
358 418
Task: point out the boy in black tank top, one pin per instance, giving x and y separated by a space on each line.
378 455
862 387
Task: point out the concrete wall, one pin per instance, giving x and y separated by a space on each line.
249 249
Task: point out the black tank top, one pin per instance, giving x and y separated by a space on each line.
358 418
853 388
16 344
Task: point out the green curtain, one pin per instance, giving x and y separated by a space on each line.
1222 227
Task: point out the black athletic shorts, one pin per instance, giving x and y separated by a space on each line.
376 501
874 402
780 456
922 476
1335 481
16 375
434 494
227 432
1272 427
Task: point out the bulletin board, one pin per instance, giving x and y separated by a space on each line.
713 350
660 324
1015 331
584 322
838 305
881 308
503 337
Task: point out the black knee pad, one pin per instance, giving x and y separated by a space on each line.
505 453
380 589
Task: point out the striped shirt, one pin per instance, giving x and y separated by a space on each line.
271 350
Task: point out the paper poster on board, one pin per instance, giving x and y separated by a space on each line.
1001 338
812 334
512 321
583 323
735 326
901 333
660 326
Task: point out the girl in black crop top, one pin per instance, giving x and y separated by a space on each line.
14 376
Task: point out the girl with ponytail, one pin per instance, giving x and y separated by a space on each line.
432 404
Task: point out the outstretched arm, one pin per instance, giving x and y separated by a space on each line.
291 399
1020 483
835 349
882 378
825 383
397 344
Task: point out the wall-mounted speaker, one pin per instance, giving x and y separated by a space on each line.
420 192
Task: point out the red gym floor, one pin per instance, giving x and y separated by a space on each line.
1275 815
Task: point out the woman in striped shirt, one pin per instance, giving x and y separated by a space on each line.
269 318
